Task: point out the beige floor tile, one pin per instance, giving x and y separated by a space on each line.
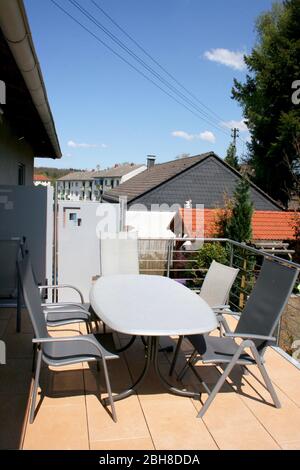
61 388
18 345
58 427
12 419
15 376
284 374
234 427
7 313
26 325
144 443
231 423
65 330
295 445
284 423
131 423
3 326
173 425
118 373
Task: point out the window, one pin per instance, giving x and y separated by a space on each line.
21 174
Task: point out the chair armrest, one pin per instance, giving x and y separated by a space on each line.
220 307
69 306
63 286
249 336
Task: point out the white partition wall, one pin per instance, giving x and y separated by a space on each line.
27 211
78 257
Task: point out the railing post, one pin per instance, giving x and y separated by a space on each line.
169 255
231 255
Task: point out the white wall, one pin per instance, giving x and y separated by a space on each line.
78 245
13 152
28 211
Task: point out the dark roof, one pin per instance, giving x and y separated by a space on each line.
78 176
204 179
153 177
117 171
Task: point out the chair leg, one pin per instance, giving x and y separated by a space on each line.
266 377
34 346
187 364
223 377
108 387
35 385
174 360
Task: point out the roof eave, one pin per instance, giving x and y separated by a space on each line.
15 27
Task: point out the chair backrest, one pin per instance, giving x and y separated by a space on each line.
267 300
119 254
217 283
9 252
32 297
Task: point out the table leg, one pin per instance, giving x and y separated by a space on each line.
152 358
164 382
131 390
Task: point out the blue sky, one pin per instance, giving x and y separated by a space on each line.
105 112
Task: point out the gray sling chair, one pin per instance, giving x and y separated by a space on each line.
59 351
215 291
255 328
63 313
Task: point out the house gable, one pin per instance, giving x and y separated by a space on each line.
206 183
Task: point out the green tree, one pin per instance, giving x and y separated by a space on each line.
235 220
231 157
239 227
266 98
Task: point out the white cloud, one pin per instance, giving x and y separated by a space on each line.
206 135
241 125
183 135
84 145
226 57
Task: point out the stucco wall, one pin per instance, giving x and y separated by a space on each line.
13 152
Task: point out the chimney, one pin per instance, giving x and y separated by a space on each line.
188 204
150 161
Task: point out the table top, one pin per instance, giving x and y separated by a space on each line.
150 305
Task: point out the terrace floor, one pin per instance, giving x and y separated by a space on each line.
70 415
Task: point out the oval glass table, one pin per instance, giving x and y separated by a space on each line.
151 306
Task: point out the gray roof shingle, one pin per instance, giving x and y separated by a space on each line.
153 177
204 179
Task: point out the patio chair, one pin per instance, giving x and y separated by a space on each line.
255 329
119 254
10 251
59 351
62 313
215 291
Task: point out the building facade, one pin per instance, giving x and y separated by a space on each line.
91 185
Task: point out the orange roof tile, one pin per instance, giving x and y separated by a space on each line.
266 225
40 178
